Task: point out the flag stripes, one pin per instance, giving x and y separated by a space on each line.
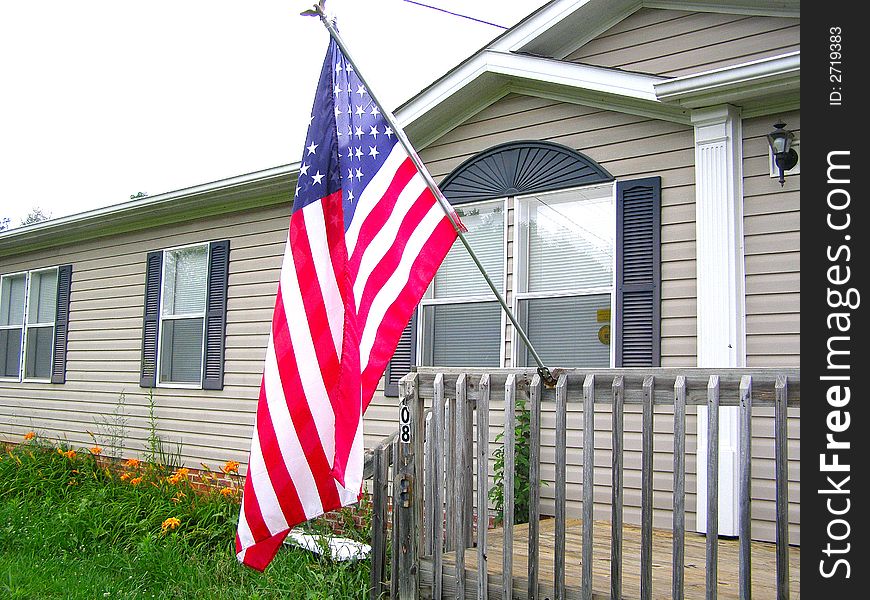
361 251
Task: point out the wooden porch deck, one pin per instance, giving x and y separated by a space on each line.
763 565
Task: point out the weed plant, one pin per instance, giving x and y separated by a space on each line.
73 526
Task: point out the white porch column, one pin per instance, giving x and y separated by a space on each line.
720 279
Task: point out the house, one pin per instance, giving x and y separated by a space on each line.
610 159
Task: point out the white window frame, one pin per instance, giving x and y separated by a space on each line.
520 268
429 299
26 326
161 318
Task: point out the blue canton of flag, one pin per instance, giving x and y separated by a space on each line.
348 138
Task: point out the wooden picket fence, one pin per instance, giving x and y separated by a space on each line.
439 538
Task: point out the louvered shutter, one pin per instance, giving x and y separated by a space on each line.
151 319
216 316
403 359
637 329
61 324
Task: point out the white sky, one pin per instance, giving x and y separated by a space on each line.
102 99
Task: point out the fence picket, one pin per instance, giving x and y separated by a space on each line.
510 392
618 388
561 480
535 391
646 492
712 487
679 552
745 511
482 486
588 484
781 454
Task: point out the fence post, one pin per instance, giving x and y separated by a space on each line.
407 487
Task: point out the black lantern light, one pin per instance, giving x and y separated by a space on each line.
780 140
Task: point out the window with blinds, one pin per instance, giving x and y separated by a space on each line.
182 314
461 320
564 275
28 325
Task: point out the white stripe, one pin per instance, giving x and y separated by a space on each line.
386 236
267 500
353 474
288 439
373 193
394 286
316 227
306 357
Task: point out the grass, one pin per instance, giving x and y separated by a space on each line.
70 527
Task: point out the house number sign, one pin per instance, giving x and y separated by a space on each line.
404 424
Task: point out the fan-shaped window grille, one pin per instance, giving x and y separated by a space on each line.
519 168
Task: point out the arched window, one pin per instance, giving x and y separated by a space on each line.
566 242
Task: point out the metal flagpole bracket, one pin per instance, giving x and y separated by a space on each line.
547 378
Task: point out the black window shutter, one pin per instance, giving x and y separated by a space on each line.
151 320
216 316
637 327
403 359
61 324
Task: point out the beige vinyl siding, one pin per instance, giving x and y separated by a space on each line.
105 341
673 43
771 229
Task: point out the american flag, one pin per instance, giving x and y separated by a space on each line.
366 237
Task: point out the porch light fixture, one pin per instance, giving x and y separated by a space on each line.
780 140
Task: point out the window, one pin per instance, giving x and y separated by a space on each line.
564 276
34 310
185 316
585 266
461 318
13 292
182 314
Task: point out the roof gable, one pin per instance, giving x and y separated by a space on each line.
528 59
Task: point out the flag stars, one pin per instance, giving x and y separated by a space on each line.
358 174
358 132
303 170
360 90
374 131
374 112
312 148
317 177
388 132
373 152
358 153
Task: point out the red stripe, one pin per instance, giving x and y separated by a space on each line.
347 401
397 316
259 530
391 259
380 213
300 411
315 309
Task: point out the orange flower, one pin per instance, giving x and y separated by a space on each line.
226 492
70 453
131 462
182 472
96 450
231 466
136 481
29 435
173 479
126 476
170 523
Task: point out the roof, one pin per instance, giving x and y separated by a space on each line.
525 59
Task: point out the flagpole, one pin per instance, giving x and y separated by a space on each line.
319 11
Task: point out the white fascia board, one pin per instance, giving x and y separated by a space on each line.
730 84
572 75
492 74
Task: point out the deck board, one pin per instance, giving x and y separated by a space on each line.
763 564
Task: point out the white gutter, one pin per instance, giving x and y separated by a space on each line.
731 81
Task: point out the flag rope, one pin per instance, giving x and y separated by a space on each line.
318 10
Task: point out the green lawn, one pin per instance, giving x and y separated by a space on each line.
71 528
